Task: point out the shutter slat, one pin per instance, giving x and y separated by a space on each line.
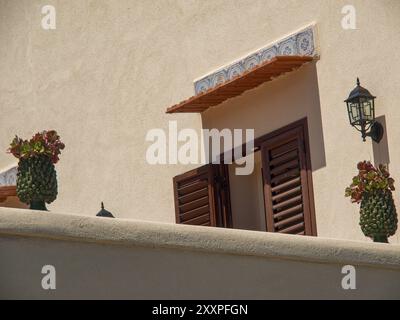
287 184
283 158
193 196
187 188
293 229
284 148
285 166
289 211
284 176
194 204
205 218
289 221
287 203
286 194
195 213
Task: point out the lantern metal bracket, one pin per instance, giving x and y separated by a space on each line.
376 132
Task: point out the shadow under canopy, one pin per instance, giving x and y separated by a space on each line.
273 105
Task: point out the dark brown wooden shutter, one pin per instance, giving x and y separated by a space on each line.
286 188
202 196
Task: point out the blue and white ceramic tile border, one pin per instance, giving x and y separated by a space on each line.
8 177
302 42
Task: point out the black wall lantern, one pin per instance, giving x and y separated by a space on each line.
361 110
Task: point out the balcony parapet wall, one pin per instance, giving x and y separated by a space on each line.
235 263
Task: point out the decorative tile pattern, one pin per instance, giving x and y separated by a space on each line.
287 47
235 70
9 177
268 54
301 43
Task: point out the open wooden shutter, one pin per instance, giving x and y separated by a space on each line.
202 196
286 185
7 191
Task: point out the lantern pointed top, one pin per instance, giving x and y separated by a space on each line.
359 92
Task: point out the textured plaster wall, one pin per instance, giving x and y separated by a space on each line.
127 259
95 271
104 77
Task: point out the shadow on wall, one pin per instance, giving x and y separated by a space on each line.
273 105
381 149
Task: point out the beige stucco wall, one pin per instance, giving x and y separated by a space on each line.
104 77
128 259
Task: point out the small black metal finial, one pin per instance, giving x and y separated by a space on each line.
358 81
104 213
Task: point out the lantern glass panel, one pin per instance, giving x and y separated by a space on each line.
368 110
354 112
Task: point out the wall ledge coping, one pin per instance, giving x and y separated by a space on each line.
135 233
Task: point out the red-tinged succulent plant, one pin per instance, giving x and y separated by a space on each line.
45 143
369 179
36 176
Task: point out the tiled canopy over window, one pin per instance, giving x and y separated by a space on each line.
300 43
265 64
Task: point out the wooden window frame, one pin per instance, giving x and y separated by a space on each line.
219 195
302 125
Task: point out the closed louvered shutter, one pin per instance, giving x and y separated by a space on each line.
286 187
201 196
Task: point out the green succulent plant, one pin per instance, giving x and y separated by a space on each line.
373 187
36 176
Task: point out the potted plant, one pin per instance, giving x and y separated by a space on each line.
373 188
36 176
